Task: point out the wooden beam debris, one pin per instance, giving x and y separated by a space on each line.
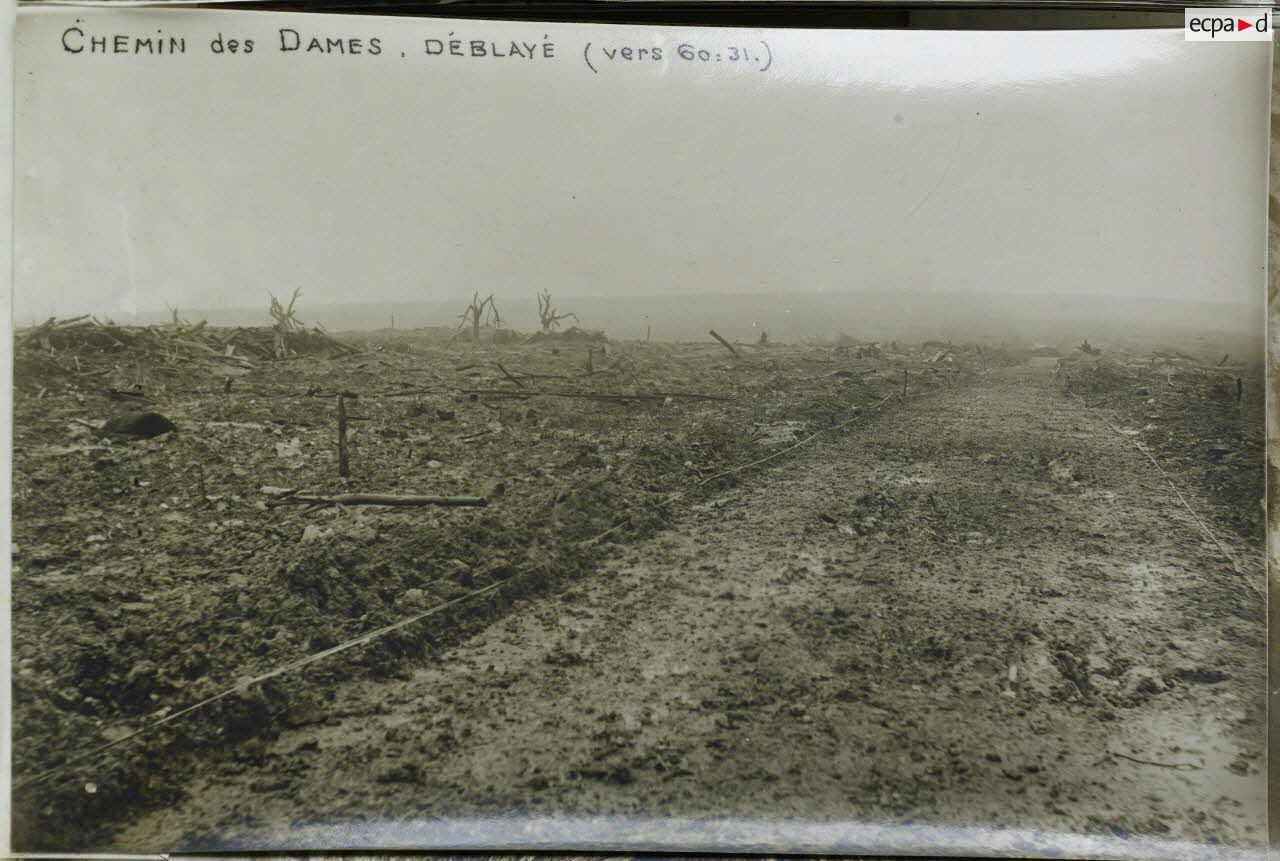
508 375
321 500
596 396
723 342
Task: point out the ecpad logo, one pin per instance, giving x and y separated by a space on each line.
1248 24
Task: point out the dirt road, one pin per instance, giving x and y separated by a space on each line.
984 606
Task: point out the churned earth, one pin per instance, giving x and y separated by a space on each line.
983 607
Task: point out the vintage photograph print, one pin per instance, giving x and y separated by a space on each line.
478 434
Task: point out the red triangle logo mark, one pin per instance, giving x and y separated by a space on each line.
1243 25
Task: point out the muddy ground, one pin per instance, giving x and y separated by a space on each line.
979 603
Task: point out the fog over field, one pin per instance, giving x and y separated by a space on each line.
804 317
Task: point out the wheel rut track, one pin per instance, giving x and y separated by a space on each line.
979 608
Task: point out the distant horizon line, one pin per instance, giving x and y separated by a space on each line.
667 294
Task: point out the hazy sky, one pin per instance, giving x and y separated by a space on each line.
1126 162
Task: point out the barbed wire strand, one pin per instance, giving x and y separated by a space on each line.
378 633
1235 566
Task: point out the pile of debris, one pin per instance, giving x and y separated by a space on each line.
1089 376
174 342
573 334
1161 373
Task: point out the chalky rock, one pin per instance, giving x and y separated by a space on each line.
138 425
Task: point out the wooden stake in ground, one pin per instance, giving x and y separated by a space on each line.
726 344
344 468
906 375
